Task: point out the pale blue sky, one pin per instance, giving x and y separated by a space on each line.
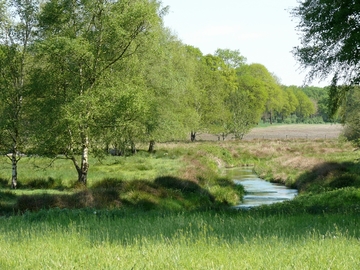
262 30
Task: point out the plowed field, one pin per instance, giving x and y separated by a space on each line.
280 132
324 131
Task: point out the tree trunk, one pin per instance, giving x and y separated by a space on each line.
193 136
133 148
82 170
14 161
151 146
84 162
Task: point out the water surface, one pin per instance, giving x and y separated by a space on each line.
259 191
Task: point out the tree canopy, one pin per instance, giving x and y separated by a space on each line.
88 78
330 38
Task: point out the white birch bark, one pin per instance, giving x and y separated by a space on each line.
14 161
84 161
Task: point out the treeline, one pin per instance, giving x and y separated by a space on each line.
80 77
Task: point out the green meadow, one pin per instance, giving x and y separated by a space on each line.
173 210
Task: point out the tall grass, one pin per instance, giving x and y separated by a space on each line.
63 239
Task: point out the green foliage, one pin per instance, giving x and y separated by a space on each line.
291 120
291 102
146 181
329 46
329 176
329 38
350 114
315 93
42 183
83 60
18 21
233 59
305 107
109 75
253 79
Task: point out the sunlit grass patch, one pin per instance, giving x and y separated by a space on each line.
39 172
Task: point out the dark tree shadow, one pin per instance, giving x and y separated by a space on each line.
329 176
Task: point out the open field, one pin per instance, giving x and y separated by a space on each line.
300 131
294 131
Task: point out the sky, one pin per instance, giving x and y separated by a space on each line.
262 30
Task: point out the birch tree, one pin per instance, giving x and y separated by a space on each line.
82 45
17 25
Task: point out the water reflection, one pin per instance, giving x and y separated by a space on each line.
259 191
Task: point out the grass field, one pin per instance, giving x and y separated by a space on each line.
82 239
172 209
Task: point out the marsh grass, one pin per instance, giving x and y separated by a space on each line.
88 239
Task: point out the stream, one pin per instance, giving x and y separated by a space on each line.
259 191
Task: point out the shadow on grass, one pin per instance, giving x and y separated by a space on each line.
4 183
42 183
329 176
7 201
164 193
